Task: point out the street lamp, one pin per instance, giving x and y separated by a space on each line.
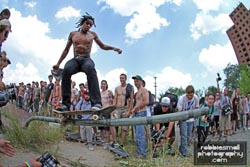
155 87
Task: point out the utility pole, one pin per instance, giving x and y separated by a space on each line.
155 87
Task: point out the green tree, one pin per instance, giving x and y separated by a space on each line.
178 91
199 92
232 73
244 82
212 89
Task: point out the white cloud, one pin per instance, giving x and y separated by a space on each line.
205 24
144 19
21 74
30 41
67 12
216 57
112 77
30 4
144 22
33 40
207 5
163 81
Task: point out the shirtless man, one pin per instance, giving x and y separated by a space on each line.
123 99
139 110
82 41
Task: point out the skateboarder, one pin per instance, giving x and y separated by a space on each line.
82 41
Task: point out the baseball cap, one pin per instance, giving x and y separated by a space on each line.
137 77
5 22
165 101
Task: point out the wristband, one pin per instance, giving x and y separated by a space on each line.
28 164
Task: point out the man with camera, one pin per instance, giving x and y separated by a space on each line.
167 129
204 121
225 106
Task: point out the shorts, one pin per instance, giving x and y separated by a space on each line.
120 113
225 122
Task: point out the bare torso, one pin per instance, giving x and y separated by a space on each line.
82 42
105 98
141 97
120 93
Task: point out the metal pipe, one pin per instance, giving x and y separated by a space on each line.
177 116
42 118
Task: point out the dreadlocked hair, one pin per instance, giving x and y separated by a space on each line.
85 18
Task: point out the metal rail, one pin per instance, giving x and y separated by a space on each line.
177 116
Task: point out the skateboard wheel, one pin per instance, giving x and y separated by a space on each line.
95 117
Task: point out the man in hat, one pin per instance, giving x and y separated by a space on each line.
139 110
168 129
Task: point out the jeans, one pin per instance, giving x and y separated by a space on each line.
185 133
141 141
202 135
73 66
86 133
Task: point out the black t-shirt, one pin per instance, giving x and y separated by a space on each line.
48 91
158 111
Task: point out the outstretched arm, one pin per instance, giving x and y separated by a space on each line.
65 52
105 47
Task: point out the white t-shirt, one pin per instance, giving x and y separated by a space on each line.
184 104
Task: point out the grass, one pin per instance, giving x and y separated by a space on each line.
39 136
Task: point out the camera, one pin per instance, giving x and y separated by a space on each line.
218 78
209 119
226 109
48 160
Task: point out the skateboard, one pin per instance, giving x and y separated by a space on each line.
119 151
103 113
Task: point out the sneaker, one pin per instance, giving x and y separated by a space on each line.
96 107
90 147
115 146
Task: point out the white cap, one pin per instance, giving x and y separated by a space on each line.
5 22
165 101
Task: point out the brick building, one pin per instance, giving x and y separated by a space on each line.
239 33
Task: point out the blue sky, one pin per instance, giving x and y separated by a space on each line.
180 42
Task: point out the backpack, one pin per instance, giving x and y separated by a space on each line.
151 99
173 98
129 88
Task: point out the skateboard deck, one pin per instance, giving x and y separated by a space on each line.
96 114
119 151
